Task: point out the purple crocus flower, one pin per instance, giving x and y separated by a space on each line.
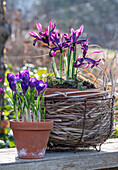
24 76
43 36
17 77
1 90
32 82
12 85
10 77
41 86
59 44
1 78
24 87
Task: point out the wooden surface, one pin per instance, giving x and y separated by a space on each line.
67 160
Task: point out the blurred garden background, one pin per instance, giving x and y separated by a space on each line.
100 20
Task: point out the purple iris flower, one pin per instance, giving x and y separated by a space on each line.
24 76
32 82
12 85
24 87
59 44
80 61
41 86
1 90
74 37
10 77
76 34
1 78
43 36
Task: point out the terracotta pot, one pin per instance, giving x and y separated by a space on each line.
31 138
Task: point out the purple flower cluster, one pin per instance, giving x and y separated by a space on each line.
26 81
58 41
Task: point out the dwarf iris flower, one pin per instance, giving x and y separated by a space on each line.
90 61
73 39
59 44
43 36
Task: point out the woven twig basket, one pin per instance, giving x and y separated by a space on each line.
83 119
80 121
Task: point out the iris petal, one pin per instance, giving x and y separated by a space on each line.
39 26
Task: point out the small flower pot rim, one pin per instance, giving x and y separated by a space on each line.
43 125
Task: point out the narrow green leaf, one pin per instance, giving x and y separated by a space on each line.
61 62
54 67
68 61
74 59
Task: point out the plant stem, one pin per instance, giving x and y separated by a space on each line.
74 58
68 62
22 112
54 67
26 115
44 114
22 117
39 115
61 59
29 115
34 117
16 114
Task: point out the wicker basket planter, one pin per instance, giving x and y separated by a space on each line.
80 120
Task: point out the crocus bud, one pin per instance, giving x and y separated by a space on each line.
24 76
32 82
24 87
12 85
10 77
17 78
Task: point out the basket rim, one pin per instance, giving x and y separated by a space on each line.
81 97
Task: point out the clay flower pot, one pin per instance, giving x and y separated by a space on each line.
70 92
31 138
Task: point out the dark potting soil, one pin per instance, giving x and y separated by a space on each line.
77 84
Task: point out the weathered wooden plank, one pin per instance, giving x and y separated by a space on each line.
67 160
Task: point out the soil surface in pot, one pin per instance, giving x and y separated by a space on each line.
76 84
